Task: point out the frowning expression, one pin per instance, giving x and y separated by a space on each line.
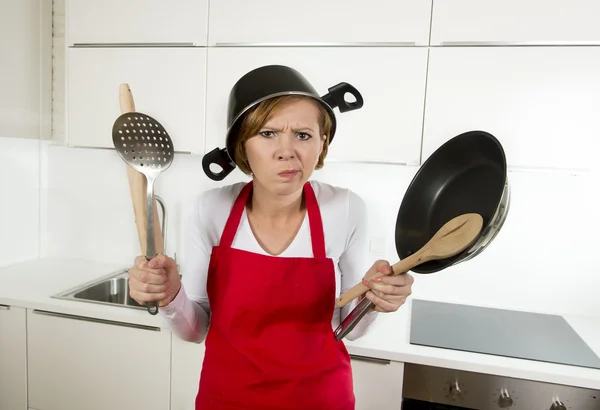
286 150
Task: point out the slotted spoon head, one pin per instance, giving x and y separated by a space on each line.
143 143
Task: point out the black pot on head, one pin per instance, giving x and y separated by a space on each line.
261 84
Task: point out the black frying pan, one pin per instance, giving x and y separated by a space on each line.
467 174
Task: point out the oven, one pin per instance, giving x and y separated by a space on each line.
429 388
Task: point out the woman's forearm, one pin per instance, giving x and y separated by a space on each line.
187 318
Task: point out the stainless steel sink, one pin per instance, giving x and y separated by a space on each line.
111 290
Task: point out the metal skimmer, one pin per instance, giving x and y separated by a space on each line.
144 144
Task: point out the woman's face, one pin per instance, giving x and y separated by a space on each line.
286 150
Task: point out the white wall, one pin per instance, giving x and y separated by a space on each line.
19 199
25 87
543 259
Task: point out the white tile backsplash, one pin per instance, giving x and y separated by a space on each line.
19 199
544 259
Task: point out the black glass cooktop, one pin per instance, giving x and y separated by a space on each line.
500 332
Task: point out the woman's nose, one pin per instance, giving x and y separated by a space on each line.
285 147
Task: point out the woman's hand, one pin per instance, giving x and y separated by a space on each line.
387 293
154 280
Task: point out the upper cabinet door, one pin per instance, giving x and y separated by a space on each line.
137 22
391 81
542 103
167 84
26 67
316 21
516 21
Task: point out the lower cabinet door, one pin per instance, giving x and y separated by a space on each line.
13 358
79 363
377 383
186 366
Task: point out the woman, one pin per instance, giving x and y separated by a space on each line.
265 262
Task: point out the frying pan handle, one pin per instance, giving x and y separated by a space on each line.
352 319
335 97
217 156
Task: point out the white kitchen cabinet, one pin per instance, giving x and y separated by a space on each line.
26 80
377 383
151 22
80 363
167 84
391 81
541 102
186 365
515 21
13 358
321 22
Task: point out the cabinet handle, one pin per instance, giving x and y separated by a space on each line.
96 320
517 43
370 359
371 162
4 307
319 44
479 43
116 45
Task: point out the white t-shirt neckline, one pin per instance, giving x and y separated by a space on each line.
248 241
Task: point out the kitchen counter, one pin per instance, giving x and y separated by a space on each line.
31 284
389 338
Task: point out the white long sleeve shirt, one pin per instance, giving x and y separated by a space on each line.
344 218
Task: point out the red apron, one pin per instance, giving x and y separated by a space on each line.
270 343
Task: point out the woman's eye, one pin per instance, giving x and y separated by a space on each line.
303 136
266 133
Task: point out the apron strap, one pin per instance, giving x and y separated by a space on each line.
233 221
314 219
312 208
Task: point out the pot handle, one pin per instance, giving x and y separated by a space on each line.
335 97
218 157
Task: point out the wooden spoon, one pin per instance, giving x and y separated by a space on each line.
137 188
454 237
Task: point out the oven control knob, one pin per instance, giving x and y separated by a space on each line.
455 392
558 405
504 400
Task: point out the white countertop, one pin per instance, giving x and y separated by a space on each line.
31 284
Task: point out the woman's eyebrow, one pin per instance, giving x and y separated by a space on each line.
272 128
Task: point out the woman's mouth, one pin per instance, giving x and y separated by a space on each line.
290 173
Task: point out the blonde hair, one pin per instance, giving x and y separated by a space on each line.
256 118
